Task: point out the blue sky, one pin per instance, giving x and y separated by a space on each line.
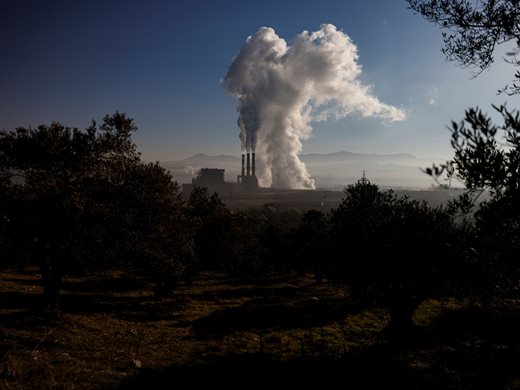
161 62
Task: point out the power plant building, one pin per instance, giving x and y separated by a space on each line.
247 179
213 178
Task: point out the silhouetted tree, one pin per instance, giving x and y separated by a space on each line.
215 240
487 159
483 160
52 164
250 257
4 220
392 252
155 232
83 199
277 232
475 29
313 243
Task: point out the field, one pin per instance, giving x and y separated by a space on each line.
323 200
112 333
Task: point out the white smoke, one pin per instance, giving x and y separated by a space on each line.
190 170
282 89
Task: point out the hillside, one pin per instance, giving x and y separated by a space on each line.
331 170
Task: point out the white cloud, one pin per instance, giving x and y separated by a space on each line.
433 96
283 88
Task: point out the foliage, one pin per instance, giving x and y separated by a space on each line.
313 243
483 160
263 241
276 232
393 252
475 29
480 160
214 229
487 159
78 200
153 218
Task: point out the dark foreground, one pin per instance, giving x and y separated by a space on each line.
323 200
112 333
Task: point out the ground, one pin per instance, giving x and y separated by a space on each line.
111 332
323 200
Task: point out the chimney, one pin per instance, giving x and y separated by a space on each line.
243 164
248 165
253 165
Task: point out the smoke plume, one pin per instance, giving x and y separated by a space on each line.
281 89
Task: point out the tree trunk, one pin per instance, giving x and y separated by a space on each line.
51 291
51 276
401 313
318 276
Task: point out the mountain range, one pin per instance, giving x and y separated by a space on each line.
329 170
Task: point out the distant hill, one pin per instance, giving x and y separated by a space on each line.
200 158
349 156
329 170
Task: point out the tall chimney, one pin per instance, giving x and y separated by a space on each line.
243 164
248 165
253 165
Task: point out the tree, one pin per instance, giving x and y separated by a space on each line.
158 226
487 156
392 252
475 29
481 160
4 220
277 232
83 200
51 169
215 238
313 243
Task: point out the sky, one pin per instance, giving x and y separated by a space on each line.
162 62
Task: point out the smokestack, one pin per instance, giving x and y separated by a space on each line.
253 165
243 164
248 165
324 66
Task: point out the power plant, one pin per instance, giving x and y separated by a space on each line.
247 180
213 178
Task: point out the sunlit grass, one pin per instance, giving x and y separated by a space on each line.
103 337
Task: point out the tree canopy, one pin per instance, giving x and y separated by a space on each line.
393 252
474 30
486 155
75 200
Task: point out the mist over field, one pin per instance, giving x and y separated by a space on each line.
329 171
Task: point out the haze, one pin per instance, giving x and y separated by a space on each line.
163 63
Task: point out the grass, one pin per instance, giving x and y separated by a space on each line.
112 333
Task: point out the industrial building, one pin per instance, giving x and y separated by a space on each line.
213 178
247 180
